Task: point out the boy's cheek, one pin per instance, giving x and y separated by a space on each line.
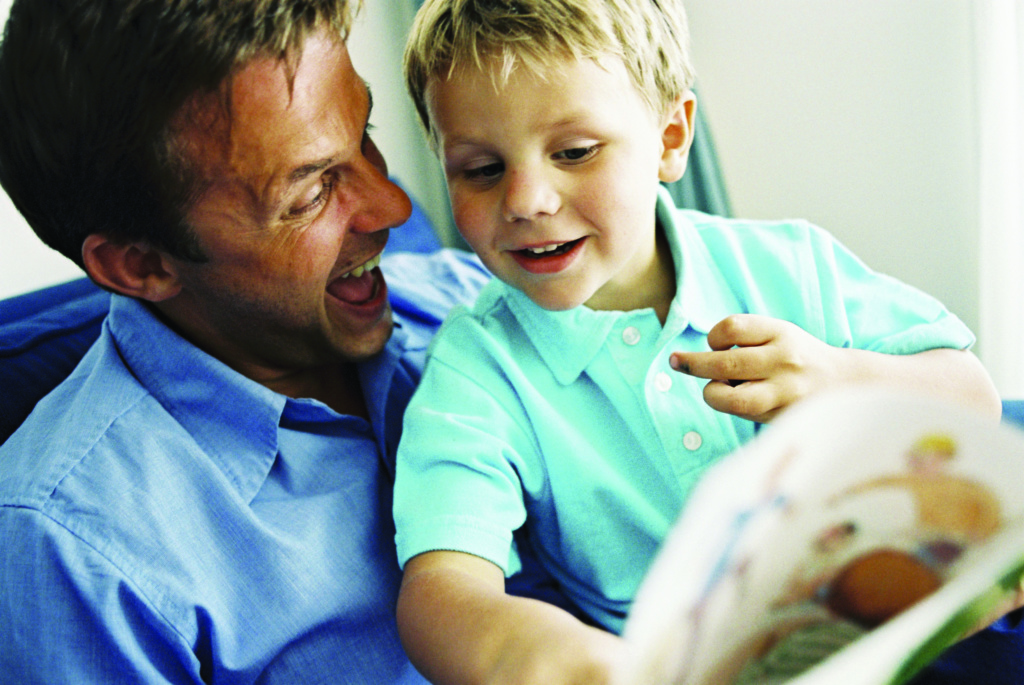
472 219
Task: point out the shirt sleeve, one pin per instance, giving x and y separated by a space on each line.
878 312
69 616
799 272
464 456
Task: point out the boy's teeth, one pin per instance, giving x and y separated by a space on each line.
363 268
542 250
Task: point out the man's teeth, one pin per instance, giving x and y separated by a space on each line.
546 248
360 270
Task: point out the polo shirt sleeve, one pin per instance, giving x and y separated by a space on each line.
876 311
465 453
799 272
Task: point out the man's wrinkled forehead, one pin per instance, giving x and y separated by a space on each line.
263 130
206 120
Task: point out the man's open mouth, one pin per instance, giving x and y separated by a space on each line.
370 265
357 286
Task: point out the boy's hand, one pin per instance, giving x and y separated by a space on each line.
758 366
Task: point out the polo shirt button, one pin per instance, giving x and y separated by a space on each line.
631 335
663 382
692 441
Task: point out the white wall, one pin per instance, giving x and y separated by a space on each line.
376 45
855 114
858 115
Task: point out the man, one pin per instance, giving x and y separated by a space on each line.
207 498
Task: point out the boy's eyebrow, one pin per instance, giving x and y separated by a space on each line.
573 119
566 122
317 166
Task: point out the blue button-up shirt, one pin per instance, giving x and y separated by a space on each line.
164 519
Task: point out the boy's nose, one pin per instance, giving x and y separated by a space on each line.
528 196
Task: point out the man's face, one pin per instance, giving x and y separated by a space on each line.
294 214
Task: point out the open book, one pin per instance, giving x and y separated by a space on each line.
851 541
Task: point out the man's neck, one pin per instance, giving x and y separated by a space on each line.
337 386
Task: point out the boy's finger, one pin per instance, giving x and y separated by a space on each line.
754 401
743 330
737 364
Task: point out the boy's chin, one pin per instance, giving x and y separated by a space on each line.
556 303
554 295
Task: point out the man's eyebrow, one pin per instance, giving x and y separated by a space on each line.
319 165
306 170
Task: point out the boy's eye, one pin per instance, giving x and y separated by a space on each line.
484 172
576 154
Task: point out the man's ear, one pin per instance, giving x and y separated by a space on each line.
676 137
133 269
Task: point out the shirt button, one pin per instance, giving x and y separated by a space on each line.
663 382
692 441
631 335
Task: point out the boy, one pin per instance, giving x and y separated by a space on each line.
553 402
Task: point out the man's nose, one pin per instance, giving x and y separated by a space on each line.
385 205
530 193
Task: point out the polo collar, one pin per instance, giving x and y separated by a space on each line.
703 294
567 340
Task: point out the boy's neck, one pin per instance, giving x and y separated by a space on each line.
664 287
653 286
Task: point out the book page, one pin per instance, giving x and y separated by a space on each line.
859 525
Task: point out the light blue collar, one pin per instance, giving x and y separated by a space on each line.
233 419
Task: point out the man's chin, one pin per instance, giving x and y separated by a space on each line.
359 346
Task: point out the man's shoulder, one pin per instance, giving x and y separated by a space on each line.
96 402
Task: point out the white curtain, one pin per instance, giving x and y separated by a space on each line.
999 36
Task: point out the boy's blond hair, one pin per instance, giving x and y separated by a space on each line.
650 36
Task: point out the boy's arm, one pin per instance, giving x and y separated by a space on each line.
758 366
458 626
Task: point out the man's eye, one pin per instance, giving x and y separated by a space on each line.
483 173
576 154
316 201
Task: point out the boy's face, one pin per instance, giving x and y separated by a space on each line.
553 181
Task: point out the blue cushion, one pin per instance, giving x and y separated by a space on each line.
1013 412
995 656
43 335
415 235
24 306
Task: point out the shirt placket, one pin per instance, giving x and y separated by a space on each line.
692 435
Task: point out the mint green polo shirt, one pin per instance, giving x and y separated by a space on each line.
573 423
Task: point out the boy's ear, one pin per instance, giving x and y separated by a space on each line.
133 269
676 137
